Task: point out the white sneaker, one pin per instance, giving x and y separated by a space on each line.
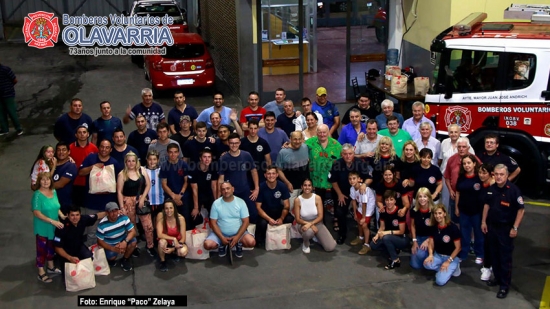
486 274
305 249
479 261
457 271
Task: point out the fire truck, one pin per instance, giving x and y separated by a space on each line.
494 77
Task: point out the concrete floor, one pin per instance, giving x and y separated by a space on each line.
342 279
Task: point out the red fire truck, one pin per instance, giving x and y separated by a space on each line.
494 77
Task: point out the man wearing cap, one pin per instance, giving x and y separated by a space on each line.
331 116
79 151
104 126
364 106
175 116
65 126
116 234
151 110
186 131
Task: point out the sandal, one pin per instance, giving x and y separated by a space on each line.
335 226
44 278
53 271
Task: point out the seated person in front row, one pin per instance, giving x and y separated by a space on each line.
272 203
116 234
171 233
229 220
68 241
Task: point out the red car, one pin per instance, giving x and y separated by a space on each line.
187 64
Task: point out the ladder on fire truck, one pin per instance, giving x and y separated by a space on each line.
535 12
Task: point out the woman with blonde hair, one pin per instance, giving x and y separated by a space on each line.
171 233
46 210
133 185
421 227
384 154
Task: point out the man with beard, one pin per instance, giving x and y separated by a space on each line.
66 124
120 147
178 111
141 138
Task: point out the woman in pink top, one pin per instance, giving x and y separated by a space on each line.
171 233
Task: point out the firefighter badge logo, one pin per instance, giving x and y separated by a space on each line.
41 29
459 115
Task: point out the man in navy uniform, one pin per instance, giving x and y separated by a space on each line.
494 157
502 215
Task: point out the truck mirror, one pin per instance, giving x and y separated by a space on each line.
448 82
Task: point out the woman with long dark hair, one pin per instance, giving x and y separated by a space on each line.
171 233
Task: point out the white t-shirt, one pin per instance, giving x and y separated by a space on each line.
367 198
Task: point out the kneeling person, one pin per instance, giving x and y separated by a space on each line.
229 219
116 234
68 241
171 233
272 203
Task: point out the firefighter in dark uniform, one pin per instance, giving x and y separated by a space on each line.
502 215
494 157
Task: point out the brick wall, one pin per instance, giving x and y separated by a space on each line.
219 28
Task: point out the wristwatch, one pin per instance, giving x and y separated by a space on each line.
515 228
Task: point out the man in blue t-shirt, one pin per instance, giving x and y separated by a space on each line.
141 138
104 126
120 147
274 136
287 121
95 202
152 111
272 203
64 175
180 109
229 220
65 127
331 116
234 166
225 112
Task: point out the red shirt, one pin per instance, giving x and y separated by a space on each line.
79 154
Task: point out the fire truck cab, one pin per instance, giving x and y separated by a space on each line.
494 77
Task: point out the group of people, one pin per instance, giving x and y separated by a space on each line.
269 166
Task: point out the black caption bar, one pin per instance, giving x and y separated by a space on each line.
126 301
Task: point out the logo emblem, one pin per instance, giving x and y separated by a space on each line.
56 177
446 239
193 67
41 29
459 115
173 67
547 129
520 200
477 186
427 221
277 194
431 180
208 176
395 222
259 148
147 140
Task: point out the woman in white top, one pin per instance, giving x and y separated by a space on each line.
448 149
308 211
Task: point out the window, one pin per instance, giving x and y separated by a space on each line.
184 51
521 70
473 71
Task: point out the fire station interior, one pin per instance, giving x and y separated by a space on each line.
325 36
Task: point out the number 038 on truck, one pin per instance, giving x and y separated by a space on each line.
493 77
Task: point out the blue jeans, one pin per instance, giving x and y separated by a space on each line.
451 210
442 277
390 243
417 260
467 223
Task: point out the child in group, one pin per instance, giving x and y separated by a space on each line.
363 209
45 162
156 194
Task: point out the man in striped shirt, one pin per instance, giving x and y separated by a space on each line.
116 234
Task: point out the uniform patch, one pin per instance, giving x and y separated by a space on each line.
147 140
259 148
395 222
427 221
277 194
55 177
477 186
446 239
208 176
520 200
431 180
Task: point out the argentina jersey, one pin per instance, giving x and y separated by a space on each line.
156 194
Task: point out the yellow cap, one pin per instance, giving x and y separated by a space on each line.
321 91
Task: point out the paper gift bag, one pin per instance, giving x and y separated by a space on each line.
421 85
295 230
102 179
399 85
195 244
101 266
204 226
79 276
252 230
277 237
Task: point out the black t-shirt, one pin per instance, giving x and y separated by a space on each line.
382 186
470 202
366 114
257 150
499 158
392 220
272 199
70 237
180 138
407 168
422 220
204 179
211 132
378 166
444 238
426 177
192 149
339 173
287 124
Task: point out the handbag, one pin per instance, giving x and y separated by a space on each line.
146 209
101 266
102 179
79 276
277 237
